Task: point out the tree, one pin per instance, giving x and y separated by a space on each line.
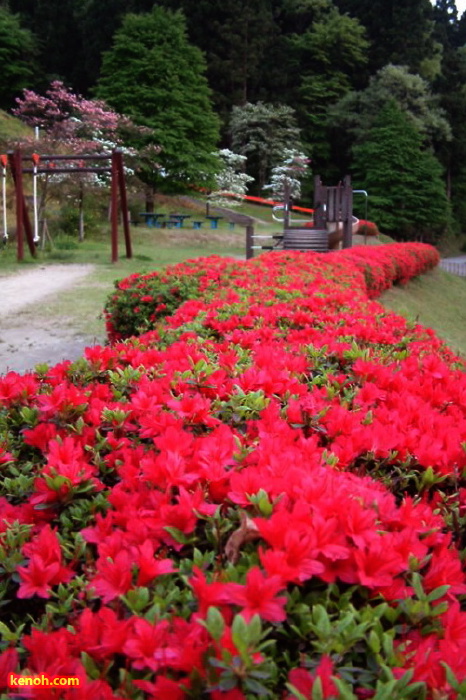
230 180
287 174
331 57
18 53
357 111
78 123
453 153
400 32
404 180
73 124
154 75
262 132
235 36
446 23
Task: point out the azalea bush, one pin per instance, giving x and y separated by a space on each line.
368 228
261 496
139 301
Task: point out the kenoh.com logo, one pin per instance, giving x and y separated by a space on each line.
42 680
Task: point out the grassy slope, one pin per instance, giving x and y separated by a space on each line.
436 300
12 129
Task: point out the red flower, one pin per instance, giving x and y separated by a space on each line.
100 634
259 596
151 646
8 664
150 568
114 577
304 681
213 594
377 564
44 568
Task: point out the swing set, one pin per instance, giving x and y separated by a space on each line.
36 165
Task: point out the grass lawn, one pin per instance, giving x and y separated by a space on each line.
436 300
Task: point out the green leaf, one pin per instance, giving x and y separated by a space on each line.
240 633
177 535
344 690
215 623
294 691
374 642
317 690
438 593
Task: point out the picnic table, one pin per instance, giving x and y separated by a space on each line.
214 220
178 219
152 219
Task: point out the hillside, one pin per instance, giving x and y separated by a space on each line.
12 129
436 300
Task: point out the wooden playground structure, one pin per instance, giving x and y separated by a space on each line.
332 223
38 164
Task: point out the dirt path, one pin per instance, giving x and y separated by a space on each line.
26 339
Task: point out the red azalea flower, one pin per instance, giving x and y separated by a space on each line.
213 594
44 569
149 567
151 646
259 596
303 680
114 577
8 664
377 565
100 634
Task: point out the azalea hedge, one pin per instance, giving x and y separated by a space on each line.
262 495
140 301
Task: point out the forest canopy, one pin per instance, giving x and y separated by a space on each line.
332 66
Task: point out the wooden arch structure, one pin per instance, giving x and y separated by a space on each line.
52 164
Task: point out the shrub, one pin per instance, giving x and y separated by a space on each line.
367 228
263 496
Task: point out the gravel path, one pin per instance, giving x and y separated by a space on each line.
26 339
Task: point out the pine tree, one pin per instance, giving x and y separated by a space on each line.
18 51
155 76
400 32
406 192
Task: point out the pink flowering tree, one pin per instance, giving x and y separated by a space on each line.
72 124
77 123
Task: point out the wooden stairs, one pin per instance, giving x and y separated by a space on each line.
306 239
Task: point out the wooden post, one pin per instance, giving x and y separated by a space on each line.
16 173
320 203
114 212
347 213
123 201
287 203
249 239
22 218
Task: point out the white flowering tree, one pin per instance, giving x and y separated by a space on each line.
285 181
231 180
286 177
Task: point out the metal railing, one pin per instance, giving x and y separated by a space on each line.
254 241
455 268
